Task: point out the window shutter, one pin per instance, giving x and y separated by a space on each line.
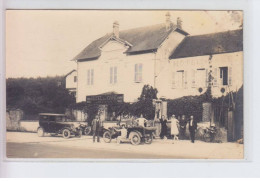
193 78
136 72
140 72
185 79
115 74
92 76
229 76
173 80
88 77
215 76
206 78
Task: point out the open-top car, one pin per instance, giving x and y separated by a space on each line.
135 134
58 124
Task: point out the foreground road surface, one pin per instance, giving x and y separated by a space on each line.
29 145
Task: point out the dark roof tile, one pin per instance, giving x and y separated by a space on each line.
208 44
143 39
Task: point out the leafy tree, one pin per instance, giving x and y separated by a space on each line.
148 92
35 95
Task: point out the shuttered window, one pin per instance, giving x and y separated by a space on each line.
138 72
90 77
113 75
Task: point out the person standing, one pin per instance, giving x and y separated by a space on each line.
142 121
163 122
174 128
96 128
192 128
183 124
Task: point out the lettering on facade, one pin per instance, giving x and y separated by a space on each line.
105 99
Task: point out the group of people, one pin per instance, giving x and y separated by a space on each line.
178 127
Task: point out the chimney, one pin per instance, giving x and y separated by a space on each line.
116 29
168 23
179 23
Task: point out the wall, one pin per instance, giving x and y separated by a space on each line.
113 55
29 125
189 64
70 84
12 119
163 64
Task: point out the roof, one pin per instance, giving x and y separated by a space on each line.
208 44
69 73
142 39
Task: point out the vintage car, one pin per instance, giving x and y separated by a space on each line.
58 124
135 134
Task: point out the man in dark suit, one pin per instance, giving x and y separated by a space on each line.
96 128
192 128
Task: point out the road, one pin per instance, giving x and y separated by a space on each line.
29 145
34 150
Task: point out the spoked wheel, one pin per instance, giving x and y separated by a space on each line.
87 130
107 137
66 133
148 139
135 138
207 137
40 132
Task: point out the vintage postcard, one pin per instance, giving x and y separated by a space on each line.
124 84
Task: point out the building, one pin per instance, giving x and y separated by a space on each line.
71 82
124 61
163 56
196 56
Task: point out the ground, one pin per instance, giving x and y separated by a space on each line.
29 145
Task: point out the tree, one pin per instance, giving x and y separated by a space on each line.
35 95
148 92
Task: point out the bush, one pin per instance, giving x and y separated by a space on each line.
35 95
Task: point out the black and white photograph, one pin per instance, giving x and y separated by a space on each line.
124 84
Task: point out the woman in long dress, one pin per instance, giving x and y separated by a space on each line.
174 127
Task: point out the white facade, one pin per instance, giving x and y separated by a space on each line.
132 71
71 81
187 75
122 73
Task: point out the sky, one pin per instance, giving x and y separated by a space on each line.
42 43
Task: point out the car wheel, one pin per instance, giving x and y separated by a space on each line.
66 133
40 132
135 138
207 137
107 137
87 130
79 134
148 139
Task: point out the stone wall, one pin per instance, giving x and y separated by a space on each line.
12 119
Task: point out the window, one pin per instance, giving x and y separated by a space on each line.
75 78
201 78
113 75
138 72
180 79
90 77
223 75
